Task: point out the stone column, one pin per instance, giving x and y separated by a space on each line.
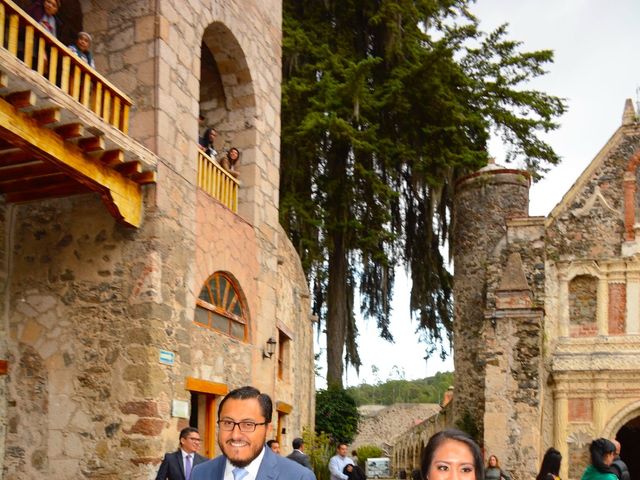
633 302
560 425
603 306
563 307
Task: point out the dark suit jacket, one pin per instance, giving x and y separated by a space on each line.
273 467
172 467
301 458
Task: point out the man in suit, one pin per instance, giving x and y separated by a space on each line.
179 464
244 422
298 454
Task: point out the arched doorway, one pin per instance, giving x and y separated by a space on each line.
629 438
227 100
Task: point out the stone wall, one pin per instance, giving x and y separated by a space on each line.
383 427
89 305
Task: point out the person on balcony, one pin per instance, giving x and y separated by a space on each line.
44 12
82 48
230 161
207 142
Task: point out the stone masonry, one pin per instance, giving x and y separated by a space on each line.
87 305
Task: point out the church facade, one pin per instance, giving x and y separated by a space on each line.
547 316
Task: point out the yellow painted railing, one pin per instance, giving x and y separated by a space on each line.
217 182
27 40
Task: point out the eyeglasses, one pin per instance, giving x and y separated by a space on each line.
246 427
194 439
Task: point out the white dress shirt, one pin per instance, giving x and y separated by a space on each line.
252 468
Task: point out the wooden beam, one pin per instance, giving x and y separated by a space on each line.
15 157
144 178
46 116
52 191
129 168
26 170
91 144
122 197
205 386
4 367
112 157
4 80
70 130
33 183
22 99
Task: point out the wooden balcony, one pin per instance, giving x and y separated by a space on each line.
217 182
63 127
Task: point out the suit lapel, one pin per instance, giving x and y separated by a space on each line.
180 463
267 470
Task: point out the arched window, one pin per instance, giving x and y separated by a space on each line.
220 306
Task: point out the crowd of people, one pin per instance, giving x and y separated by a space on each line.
244 423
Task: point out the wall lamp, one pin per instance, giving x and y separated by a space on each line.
270 348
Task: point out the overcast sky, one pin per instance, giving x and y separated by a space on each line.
597 67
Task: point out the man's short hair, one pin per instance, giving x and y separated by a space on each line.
297 443
187 430
271 442
245 393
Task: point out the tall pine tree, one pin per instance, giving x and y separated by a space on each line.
385 103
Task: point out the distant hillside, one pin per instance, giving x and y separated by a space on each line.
426 390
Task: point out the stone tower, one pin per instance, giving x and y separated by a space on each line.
485 201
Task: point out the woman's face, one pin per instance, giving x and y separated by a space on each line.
212 135
51 7
452 460
233 154
493 461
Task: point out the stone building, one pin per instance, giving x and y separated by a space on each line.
547 336
139 280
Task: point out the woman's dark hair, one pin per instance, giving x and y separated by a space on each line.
233 162
550 464
451 434
598 449
204 141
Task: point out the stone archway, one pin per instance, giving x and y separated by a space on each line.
629 437
227 97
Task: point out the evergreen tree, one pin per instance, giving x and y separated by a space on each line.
385 103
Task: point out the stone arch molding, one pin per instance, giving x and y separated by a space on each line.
630 411
575 269
237 80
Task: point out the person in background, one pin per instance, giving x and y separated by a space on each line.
274 446
82 48
230 161
451 454
618 466
178 465
338 462
354 472
207 142
550 467
354 457
493 470
602 452
298 454
44 12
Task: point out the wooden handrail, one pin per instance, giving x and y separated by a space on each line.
217 182
28 41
